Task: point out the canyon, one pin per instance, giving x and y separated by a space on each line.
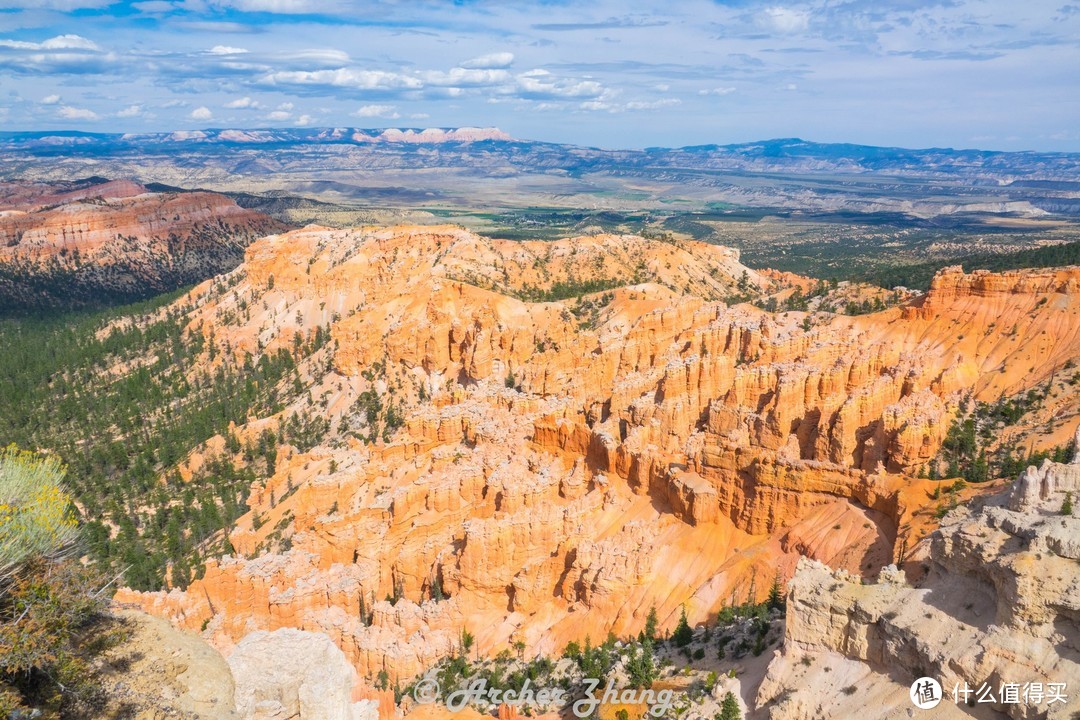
538 442
66 244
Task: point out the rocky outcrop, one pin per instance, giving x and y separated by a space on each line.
71 244
1000 605
430 136
582 429
295 675
160 673
1039 484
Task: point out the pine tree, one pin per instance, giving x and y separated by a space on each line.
776 599
1067 506
729 709
683 634
650 625
641 668
467 640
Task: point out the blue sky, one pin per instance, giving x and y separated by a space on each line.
995 74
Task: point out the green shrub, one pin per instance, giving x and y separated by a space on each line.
51 628
36 521
48 602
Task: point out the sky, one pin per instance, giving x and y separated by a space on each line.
994 74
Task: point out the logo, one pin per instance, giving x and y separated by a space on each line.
477 692
426 690
925 693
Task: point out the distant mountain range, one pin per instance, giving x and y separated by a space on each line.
787 153
364 163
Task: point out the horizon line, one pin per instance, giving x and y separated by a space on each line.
510 138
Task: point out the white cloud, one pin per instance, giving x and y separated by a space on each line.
130 111
419 116
73 113
243 104
328 57
283 7
345 77
62 54
154 6
226 50
61 5
785 20
279 115
378 111
491 61
606 106
60 42
201 113
304 120
542 84
175 103
464 77
50 100
285 106
717 91
652 104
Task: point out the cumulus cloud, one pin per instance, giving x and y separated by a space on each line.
130 111
491 61
201 113
279 115
282 7
304 120
243 104
154 6
61 5
68 112
378 111
612 107
784 19
717 91
50 100
60 42
464 77
652 104
226 50
62 54
543 84
344 78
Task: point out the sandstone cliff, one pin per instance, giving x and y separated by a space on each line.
68 244
539 441
999 606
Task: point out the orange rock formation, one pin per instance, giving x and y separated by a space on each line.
563 465
39 222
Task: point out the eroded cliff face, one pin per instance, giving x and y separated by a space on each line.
552 468
69 243
1000 605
